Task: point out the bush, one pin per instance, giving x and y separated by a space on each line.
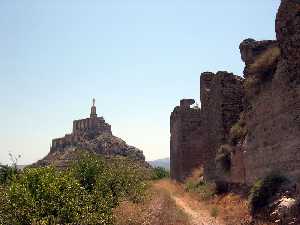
205 190
44 195
264 189
160 173
85 194
123 179
7 174
87 169
223 157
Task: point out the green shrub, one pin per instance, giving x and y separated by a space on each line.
85 194
123 179
44 195
204 190
223 157
7 174
160 173
264 189
87 169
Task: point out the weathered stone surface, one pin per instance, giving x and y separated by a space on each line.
185 151
197 133
221 104
288 34
273 115
251 49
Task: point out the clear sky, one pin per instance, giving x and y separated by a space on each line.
137 58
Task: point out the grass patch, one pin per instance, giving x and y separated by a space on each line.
261 70
266 60
160 173
205 190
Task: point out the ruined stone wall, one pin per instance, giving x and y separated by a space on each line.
185 149
270 100
197 134
221 104
273 93
97 124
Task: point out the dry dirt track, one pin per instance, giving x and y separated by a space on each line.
197 212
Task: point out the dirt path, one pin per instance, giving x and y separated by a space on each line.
197 212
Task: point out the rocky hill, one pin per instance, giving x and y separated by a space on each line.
93 135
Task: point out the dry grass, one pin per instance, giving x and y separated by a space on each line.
230 208
266 60
158 209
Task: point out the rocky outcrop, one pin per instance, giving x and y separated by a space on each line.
105 145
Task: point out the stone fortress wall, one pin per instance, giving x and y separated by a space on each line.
221 104
268 98
197 133
185 127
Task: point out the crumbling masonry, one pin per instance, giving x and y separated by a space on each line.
269 100
196 133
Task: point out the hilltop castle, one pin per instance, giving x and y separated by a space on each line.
90 126
94 135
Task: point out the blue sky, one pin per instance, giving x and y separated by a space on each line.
137 58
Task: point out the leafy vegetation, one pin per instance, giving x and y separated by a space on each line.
9 172
263 190
160 173
85 194
203 189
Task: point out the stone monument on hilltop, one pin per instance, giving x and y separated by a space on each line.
92 134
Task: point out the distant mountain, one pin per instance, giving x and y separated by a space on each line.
165 163
21 167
